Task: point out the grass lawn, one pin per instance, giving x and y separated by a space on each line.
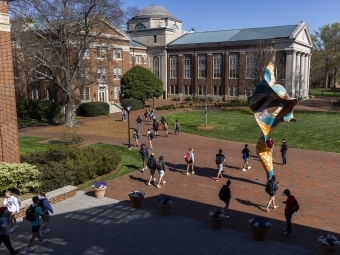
312 131
326 92
28 144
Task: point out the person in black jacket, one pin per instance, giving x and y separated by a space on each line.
284 148
225 196
271 188
144 155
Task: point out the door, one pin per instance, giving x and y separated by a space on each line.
102 94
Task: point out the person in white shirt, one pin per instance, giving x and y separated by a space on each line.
13 207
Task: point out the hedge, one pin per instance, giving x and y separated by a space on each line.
93 109
19 177
60 167
134 103
38 109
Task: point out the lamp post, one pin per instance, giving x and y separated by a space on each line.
128 108
153 99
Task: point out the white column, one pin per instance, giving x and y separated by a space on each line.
290 67
302 75
297 74
307 70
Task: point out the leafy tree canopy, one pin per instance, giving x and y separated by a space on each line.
139 83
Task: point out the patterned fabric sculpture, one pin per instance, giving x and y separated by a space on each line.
271 105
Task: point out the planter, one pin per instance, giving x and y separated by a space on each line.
216 223
136 202
165 209
328 250
99 192
259 234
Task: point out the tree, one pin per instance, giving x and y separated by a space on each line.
327 42
52 37
139 83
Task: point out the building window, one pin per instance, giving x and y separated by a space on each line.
201 90
233 63
155 38
101 74
84 72
248 92
101 52
140 26
173 90
217 91
144 59
187 90
138 59
155 66
217 66
173 67
250 71
202 66
131 58
36 93
87 94
187 67
233 91
81 92
116 92
117 73
117 54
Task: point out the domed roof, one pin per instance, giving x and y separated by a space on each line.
153 11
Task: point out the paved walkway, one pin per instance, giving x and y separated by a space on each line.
310 175
86 225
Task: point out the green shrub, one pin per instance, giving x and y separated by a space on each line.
93 109
38 109
188 98
134 103
20 177
164 107
60 167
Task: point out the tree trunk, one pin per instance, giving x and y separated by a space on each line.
70 120
326 80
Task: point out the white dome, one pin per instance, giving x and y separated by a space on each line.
153 11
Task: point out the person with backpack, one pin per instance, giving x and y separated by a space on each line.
220 160
13 207
160 166
189 158
136 136
4 235
152 166
150 136
123 115
32 215
225 196
292 206
144 155
146 115
139 122
177 125
46 208
155 127
245 156
284 148
271 188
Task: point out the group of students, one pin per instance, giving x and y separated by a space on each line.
40 208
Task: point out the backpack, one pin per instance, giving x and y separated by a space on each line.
41 204
150 163
30 213
159 165
152 136
156 125
269 188
295 206
138 135
177 124
187 157
19 202
219 160
223 193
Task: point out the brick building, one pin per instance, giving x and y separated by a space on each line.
190 62
9 145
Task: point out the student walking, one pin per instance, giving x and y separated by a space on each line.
165 128
245 155
174 106
225 196
220 160
152 166
4 236
139 122
144 155
136 136
284 149
146 115
13 207
292 206
46 209
271 188
155 127
160 165
150 136
177 125
190 158
35 224
124 115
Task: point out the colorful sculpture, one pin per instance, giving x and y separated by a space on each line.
271 105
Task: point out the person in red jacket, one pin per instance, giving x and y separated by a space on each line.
289 211
270 145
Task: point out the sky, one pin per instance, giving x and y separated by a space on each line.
214 15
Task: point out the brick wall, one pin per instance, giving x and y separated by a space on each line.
9 146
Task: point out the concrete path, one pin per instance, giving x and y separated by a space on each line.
86 225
